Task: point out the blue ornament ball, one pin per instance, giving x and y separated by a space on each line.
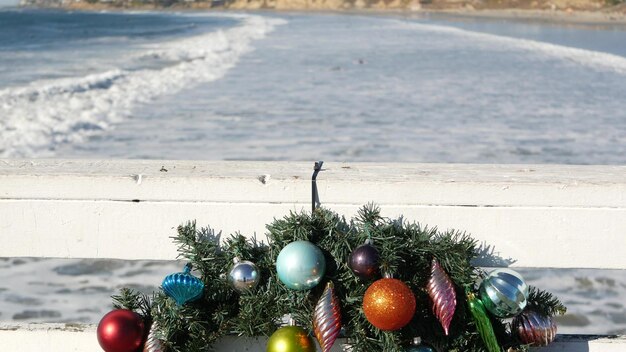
300 265
417 346
183 287
421 348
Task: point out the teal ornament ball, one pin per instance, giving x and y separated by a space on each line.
420 348
504 293
300 265
183 287
417 346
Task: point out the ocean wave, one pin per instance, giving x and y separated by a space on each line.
38 117
567 55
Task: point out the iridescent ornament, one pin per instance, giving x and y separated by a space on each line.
389 304
290 339
364 261
121 330
243 276
183 287
417 346
534 328
442 294
483 324
504 293
153 344
300 265
327 318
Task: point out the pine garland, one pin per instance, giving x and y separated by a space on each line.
406 251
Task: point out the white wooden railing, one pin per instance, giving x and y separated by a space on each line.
539 215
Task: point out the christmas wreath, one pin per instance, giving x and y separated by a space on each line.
383 284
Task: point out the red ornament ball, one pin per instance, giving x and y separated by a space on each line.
389 304
121 330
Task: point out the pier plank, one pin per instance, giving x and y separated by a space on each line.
105 209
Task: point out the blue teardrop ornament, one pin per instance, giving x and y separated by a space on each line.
183 287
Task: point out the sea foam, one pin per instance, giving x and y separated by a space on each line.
566 55
38 117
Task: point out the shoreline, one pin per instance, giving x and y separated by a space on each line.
600 17
557 17
542 16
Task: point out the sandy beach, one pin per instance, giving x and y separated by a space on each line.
554 16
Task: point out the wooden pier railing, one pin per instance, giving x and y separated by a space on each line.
107 209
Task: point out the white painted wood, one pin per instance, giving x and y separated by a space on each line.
578 343
559 237
289 182
540 216
82 338
48 337
129 209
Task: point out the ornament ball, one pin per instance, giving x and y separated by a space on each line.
417 346
420 348
290 339
534 328
300 265
121 330
389 304
504 293
244 276
364 261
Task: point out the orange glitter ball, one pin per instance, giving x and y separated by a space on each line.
389 304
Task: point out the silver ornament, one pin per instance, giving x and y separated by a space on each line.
504 293
244 276
153 344
534 328
327 318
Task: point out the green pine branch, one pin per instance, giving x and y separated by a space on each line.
135 301
406 250
545 302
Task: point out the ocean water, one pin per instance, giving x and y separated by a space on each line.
292 86
300 87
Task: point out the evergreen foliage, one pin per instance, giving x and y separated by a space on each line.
406 251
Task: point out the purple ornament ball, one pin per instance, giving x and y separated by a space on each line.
364 261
